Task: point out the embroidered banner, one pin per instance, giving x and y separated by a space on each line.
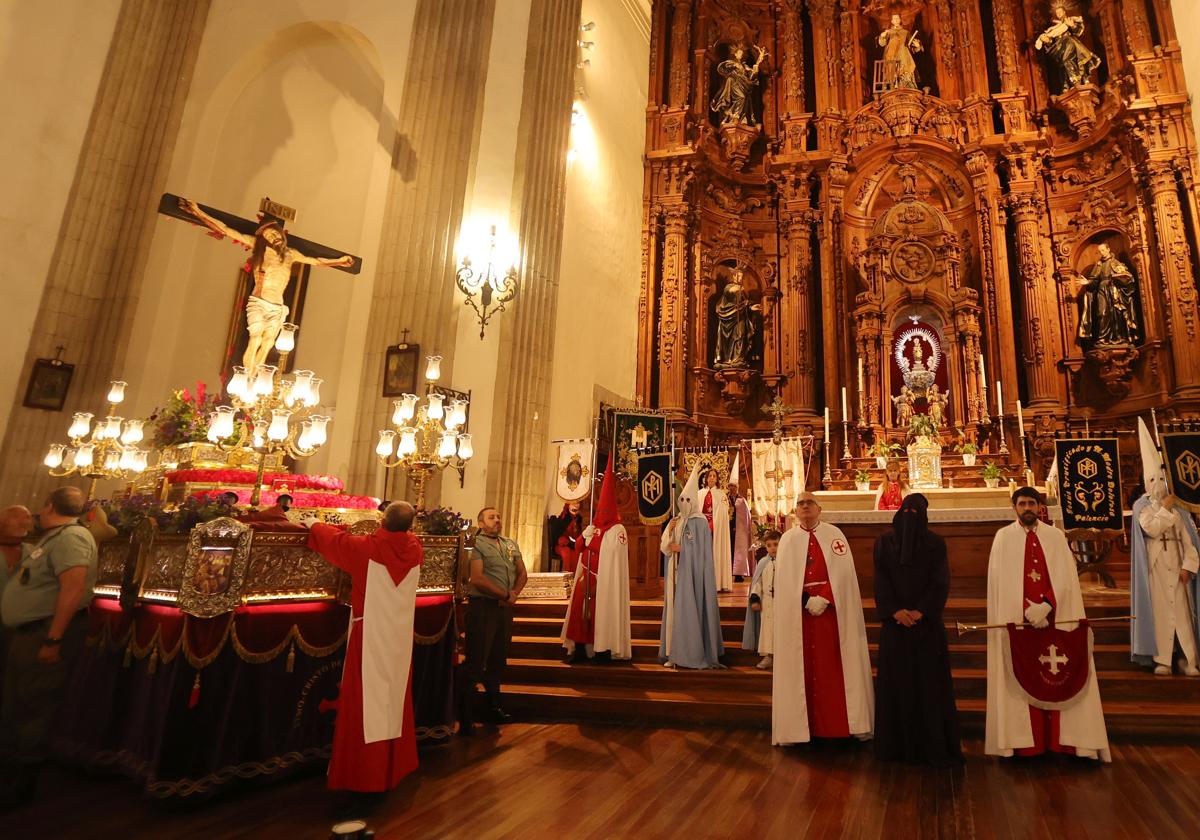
654 487
1089 475
573 476
633 430
1181 456
1051 666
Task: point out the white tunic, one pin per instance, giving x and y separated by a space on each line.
389 610
789 705
612 597
1007 726
764 588
1165 539
670 535
722 550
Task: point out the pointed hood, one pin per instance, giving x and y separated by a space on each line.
606 514
735 472
1152 467
690 494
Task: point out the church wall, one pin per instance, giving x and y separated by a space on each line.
50 68
291 105
595 343
1187 29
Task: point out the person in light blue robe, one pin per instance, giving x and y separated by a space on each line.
691 625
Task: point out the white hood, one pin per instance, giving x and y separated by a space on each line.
1152 467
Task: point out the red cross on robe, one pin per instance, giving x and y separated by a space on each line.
824 682
1037 588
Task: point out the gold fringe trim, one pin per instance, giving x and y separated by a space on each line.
436 637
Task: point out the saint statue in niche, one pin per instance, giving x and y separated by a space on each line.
899 70
734 100
735 325
1060 42
904 407
1107 305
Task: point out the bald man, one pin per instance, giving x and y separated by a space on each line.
15 524
44 607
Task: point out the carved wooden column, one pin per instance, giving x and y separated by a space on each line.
849 55
647 303
1179 282
673 310
795 119
797 349
674 118
1039 345
969 32
825 60
993 264
1014 101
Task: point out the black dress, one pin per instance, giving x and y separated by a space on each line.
915 716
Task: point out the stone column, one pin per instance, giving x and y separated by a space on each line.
1026 210
673 320
1178 281
517 464
436 134
96 273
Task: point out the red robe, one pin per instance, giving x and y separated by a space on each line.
708 510
580 629
892 496
824 682
357 765
1044 722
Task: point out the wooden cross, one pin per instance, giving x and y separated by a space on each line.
404 337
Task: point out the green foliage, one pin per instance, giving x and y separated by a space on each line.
991 470
862 476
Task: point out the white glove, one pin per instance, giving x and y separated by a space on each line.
588 533
816 605
309 519
1036 614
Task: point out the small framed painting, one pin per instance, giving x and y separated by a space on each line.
48 384
400 370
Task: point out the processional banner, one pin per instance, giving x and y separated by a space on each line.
573 475
654 487
1050 665
1181 456
779 471
720 460
634 430
1089 475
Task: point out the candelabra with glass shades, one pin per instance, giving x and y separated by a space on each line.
427 436
112 450
270 412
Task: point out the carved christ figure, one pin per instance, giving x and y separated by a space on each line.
735 325
734 99
1060 42
271 263
898 47
1107 311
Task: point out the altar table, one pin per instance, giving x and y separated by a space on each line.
188 707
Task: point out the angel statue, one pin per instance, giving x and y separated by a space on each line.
1060 42
733 100
937 405
904 407
899 68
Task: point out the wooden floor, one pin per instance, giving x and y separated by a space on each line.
565 781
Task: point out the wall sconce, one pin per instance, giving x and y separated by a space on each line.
486 288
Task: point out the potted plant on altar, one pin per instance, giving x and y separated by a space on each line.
862 480
922 430
883 451
991 474
968 451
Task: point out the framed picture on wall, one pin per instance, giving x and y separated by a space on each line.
48 384
400 370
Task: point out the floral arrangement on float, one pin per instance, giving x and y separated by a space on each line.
127 513
299 499
184 419
441 521
226 477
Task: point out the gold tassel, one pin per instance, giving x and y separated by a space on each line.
153 659
291 660
128 654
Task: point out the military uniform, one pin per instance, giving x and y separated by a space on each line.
489 622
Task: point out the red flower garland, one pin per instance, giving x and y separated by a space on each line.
300 500
326 483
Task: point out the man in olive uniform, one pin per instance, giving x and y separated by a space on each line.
497 577
44 606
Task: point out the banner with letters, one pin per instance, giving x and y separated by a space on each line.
573 475
654 487
634 430
1089 478
1181 457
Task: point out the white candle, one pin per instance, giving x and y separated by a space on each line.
845 415
860 375
826 424
999 400
1020 419
982 373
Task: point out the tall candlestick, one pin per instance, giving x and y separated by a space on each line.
999 400
845 413
1020 420
860 375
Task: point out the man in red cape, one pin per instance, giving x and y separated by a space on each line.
374 743
598 618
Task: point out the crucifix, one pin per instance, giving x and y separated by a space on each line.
777 410
273 252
